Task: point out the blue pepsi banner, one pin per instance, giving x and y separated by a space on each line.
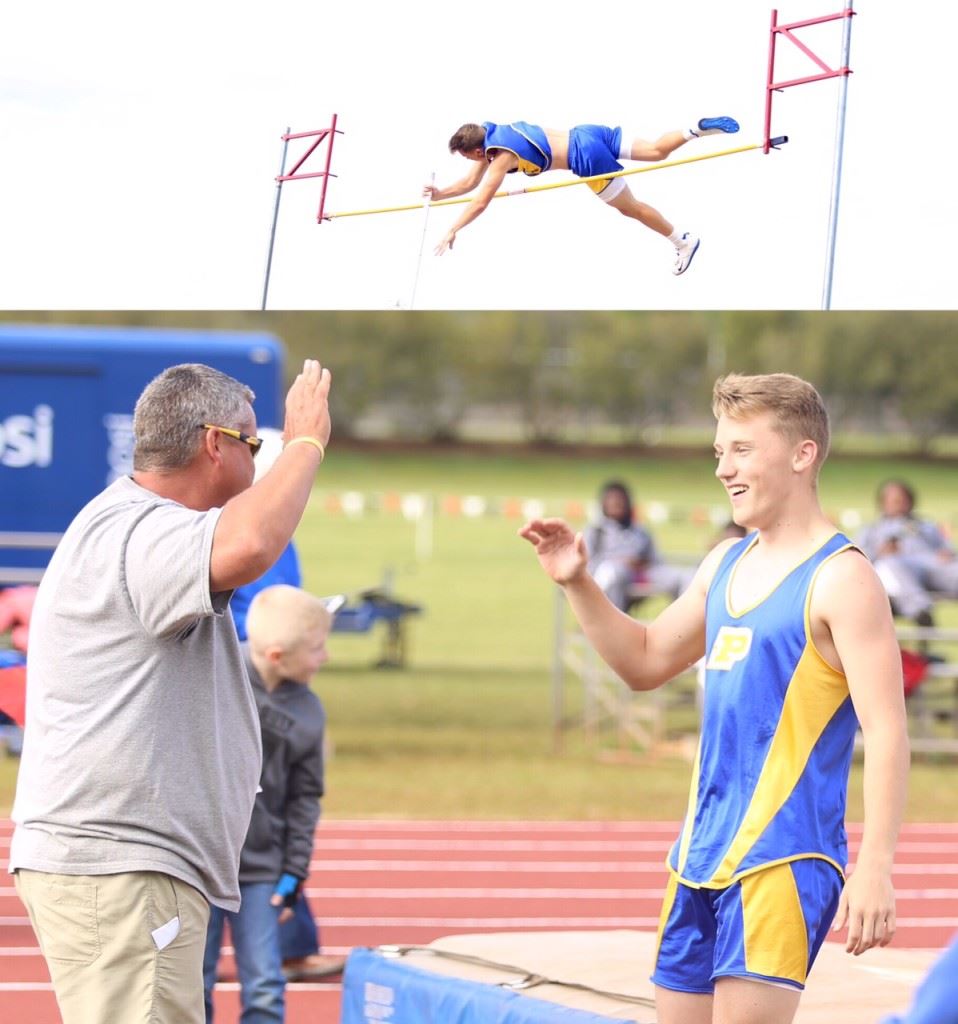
67 396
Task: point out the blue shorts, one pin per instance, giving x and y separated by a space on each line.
594 149
768 925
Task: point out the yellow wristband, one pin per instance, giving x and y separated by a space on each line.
309 440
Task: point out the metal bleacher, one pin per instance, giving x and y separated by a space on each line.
933 704
636 722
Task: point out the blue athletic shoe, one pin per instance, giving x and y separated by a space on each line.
684 251
716 126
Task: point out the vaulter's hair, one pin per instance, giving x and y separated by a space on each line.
173 405
798 410
285 617
467 137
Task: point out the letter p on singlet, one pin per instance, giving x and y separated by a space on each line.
731 645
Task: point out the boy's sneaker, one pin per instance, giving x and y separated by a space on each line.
716 126
313 967
684 252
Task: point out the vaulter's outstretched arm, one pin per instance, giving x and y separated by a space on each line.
494 173
458 188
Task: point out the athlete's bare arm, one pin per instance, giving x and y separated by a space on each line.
494 174
458 188
645 657
853 630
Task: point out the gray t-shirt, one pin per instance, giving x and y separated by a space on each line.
142 746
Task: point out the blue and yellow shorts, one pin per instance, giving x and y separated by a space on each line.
769 925
594 149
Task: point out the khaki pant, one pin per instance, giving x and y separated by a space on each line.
121 949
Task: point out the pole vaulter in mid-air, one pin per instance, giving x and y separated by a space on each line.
587 150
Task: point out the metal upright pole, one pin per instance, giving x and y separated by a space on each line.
272 234
558 671
767 142
837 169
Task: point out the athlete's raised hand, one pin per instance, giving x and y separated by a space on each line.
561 552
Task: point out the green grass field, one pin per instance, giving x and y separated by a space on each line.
465 728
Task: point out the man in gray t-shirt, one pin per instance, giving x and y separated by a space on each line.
142 751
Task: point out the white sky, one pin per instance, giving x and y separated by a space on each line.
140 151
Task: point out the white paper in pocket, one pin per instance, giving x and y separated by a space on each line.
166 933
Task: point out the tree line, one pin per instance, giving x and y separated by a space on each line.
551 376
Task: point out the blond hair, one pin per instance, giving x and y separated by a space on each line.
798 410
283 616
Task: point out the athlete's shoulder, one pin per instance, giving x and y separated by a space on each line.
710 564
846 581
847 563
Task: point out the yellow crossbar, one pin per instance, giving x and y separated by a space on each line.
556 184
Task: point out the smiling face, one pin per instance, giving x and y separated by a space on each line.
760 468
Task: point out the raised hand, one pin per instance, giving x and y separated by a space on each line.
307 404
561 552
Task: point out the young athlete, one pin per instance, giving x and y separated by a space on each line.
800 650
586 150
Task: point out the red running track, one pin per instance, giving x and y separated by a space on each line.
374 882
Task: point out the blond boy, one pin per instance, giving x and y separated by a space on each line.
287 629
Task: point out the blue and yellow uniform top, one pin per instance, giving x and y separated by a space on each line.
778 729
527 141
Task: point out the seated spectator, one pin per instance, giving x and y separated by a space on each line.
287 630
16 606
911 555
622 553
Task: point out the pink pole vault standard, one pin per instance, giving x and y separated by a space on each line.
841 72
321 135
771 86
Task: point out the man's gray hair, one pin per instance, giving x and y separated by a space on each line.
173 405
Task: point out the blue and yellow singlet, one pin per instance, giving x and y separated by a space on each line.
527 141
778 730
